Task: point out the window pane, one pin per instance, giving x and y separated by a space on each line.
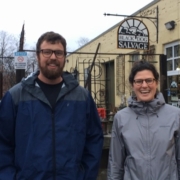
176 50
169 65
169 52
177 64
135 57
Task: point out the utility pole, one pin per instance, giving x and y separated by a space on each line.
1 74
1 85
20 73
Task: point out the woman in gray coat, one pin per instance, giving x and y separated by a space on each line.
145 143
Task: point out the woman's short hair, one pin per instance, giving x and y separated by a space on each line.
140 66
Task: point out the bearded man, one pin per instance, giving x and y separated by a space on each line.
49 125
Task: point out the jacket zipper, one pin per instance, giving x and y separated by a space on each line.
53 147
148 145
149 153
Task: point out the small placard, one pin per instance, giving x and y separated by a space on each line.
174 98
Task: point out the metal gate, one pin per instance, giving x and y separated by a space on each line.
100 75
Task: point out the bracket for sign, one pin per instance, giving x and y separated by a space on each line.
150 18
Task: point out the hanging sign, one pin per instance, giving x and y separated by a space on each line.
20 60
133 34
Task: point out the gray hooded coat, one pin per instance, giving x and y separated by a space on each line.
145 143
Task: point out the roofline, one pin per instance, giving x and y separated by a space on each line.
134 14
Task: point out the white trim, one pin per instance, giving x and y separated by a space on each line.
173 73
171 44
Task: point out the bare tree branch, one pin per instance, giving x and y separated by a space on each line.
82 41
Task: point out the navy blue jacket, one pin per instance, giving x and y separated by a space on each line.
41 143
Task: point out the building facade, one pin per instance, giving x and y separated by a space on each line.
112 62
152 33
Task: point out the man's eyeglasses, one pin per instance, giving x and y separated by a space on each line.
148 81
47 53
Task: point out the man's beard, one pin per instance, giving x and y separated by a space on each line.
51 74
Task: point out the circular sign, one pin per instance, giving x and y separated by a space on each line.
133 34
20 58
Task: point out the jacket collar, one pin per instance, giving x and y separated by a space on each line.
29 84
67 77
140 107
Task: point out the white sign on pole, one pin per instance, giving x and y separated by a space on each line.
20 60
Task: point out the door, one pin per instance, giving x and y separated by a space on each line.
110 86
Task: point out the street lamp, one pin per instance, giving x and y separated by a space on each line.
170 25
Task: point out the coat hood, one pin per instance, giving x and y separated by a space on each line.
150 107
68 78
30 85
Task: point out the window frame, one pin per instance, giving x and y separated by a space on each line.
173 58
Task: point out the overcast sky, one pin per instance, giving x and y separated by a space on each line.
71 18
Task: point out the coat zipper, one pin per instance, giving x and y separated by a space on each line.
53 147
148 145
149 151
